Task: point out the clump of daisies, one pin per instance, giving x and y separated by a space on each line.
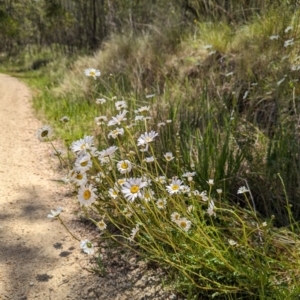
127 180
123 180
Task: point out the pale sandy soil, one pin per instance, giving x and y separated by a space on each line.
38 258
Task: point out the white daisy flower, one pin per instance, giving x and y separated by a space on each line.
203 196
124 166
139 118
147 180
242 190
189 174
104 160
184 224
127 212
109 152
144 110
219 191
86 195
161 124
149 159
190 208
161 179
288 43
185 189
131 153
100 120
168 156
113 192
148 195
274 37
87 247
134 232
64 119
174 187
44 133
116 132
83 145
232 242
121 181
91 72
83 162
289 28
132 188
99 176
210 182
161 203
100 101
55 213
101 225
169 121
118 118
120 104
196 193
150 96
175 216
147 138
211 208
78 178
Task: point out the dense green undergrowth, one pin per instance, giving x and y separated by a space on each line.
224 101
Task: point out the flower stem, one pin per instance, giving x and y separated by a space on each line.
63 224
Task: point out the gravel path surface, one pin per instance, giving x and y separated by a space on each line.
38 258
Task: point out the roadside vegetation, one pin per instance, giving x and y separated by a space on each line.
186 147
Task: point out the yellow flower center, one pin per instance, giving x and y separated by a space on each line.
183 224
79 176
44 133
101 224
84 163
92 73
134 189
175 187
124 165
87 195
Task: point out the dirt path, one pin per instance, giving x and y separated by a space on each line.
34 260
38 259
